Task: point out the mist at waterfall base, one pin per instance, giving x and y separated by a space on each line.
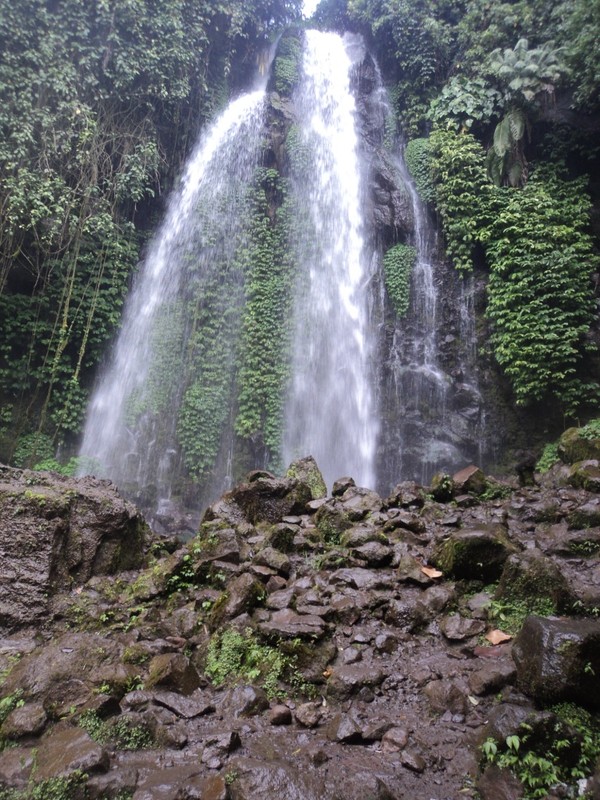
339 365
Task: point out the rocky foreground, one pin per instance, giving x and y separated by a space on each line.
437 644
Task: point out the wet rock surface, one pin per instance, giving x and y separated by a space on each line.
349 659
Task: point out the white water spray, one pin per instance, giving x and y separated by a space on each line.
331 412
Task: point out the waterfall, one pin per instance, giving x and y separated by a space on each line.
330 412
438 420
131 426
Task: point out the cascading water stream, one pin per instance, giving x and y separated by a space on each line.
330 411
439 406
130 427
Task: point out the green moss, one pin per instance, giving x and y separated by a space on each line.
398 265
287 64
119 731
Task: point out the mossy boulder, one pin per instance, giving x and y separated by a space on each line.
585 475
442 487
578 444
474 554
307 471
531 575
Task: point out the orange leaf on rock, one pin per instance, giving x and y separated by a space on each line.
431 572
497 637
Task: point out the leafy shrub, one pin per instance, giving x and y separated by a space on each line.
398 264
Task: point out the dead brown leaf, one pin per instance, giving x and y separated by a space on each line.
431 572
497 637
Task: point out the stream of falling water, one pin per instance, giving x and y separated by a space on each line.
330 411
130 426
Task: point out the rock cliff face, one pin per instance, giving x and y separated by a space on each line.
55 533
307 646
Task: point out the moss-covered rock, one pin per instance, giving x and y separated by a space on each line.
474 554
307 471
579 444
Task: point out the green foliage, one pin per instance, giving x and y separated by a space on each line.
509 615
32 448
463 192
568 754
398 263
66 788
234 656
540 298
464 102
265 337
591 430
10 702
287 64
119 731
548 458
417 156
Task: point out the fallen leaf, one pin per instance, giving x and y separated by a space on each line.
473 700
497 637
327 673
431 572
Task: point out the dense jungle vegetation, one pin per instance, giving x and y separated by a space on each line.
101 102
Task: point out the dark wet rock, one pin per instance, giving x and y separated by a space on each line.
559 659
173 783
306 471
281 536
117 780
442 487
270 499
406 495
345 728
186 707
360 535
280 715
275 559
332 520
16 764
446 695
66 750
436 598
340 486
587 515
287 624
358 503
458 628
55 531
409 614
386 642
529 575
411 569
374 554
360 578
243 593
492 677
309 715
499 784
475 553
27 720
173 670
349 679
469 479
246 701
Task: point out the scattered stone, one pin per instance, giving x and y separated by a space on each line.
394 740
28 720
470 479
175 671
280 715
458 628
309 715
492 677
413 760
287 624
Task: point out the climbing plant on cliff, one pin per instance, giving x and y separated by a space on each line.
540 298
